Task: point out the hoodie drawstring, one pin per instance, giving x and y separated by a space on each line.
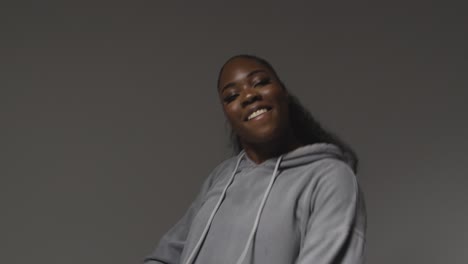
210 219
259 212
218 204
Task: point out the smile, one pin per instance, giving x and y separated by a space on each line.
257 113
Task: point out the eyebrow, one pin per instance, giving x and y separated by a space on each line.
231 84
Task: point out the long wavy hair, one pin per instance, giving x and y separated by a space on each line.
305 127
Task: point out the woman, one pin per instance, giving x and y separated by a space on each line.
290 194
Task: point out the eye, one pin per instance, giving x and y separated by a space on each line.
262 82
230 98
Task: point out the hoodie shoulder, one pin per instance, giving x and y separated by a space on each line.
310 154
334 176
333 166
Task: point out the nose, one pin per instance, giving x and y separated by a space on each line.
251 95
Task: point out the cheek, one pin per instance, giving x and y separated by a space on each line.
277 97
232 114
274 93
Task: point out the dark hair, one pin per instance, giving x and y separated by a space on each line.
305 127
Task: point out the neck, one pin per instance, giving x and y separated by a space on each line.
259 152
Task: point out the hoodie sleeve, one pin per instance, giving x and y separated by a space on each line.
170 246
336 224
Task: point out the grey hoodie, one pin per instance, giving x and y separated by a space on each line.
302 207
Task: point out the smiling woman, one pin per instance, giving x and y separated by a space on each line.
256 106
289 195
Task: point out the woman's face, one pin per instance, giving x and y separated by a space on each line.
254 101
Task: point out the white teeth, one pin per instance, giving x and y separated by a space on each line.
257 113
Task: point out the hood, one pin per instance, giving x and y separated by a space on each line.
301 156
310 153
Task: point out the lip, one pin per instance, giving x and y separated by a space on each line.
255 108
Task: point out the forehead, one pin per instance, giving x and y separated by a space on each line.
239 68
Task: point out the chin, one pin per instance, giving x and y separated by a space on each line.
263 136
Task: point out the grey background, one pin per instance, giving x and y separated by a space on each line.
110 120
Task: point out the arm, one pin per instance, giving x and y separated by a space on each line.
335 231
